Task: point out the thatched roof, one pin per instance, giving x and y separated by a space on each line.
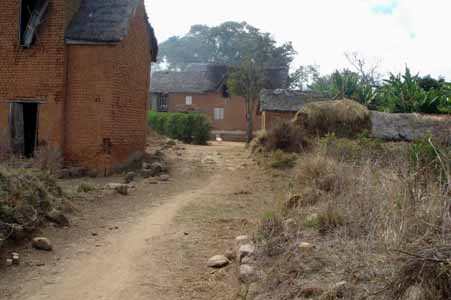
204 77
198 78
104 21
287 100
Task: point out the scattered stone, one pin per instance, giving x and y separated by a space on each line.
247 260
230 254
290 226
129 177
171 143
15 258
247 274
241 240
218 261
157 168
305 246
146 173
42 243
186 233
120 188
94 234
147 166
164 177
246 250
57 217
153 181
9 262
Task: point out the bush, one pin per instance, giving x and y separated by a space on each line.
282 160
187 127
344 118
284 137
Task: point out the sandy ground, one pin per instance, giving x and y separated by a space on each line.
154 243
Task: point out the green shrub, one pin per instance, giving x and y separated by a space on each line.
282 160
187 127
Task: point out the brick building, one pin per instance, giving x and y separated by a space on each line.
75 76
203 88
281 105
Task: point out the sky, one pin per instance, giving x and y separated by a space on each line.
395 33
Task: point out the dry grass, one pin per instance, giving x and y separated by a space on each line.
366 213
345 118
284 137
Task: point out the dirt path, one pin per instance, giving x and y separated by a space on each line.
154 243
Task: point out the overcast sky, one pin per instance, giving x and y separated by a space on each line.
396 32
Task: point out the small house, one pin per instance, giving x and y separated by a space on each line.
281 105
75 76
203 88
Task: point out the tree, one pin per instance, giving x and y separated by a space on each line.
247 80
368 72
229 43
303 76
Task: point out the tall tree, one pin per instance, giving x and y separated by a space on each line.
247 80
229 43
303 76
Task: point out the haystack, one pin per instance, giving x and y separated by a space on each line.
344 118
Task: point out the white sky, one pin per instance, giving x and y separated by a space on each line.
396 32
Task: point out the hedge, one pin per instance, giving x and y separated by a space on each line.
191 128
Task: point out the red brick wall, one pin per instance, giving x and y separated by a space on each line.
131 87
36 73
107 99
234 110
270 119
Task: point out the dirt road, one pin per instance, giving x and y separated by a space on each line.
154 243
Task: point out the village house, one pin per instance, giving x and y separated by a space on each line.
281 105
203 88
75 76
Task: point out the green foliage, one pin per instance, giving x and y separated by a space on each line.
228 43
407 93
427 158
345 84
400 93
187 127
282 160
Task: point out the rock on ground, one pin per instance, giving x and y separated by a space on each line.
42 243
247 274
57 217
218 261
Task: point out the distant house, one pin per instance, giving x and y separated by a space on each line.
75 76
203 88
281 105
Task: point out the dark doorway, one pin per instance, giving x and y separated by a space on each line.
24 128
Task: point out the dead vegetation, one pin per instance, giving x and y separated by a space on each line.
377 214
345 118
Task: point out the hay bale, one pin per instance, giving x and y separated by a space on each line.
344 118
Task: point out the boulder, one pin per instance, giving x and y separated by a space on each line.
15 258
247 274
42 243
218 261
410 127
129 177
246 250
164 177
57 217
120 188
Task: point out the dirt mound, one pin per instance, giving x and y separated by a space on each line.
344 118
26 197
